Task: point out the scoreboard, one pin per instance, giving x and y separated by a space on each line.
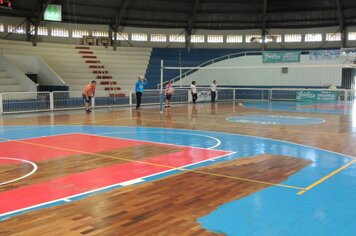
6 3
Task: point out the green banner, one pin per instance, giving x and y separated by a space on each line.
316 96
280 57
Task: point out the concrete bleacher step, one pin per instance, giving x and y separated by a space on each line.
11 88
104 77
112 88
7 81
108 83
86 52
91 57
96 66
100 72
92 61
82 47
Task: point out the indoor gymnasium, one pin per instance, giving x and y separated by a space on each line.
177 117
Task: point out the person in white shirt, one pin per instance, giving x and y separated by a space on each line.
213 88
193 90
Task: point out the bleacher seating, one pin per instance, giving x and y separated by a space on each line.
76 66
9 84
179 57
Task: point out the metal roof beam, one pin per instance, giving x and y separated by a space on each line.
263 33
119 14
341 23
190 24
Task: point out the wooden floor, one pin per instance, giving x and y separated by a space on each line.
172 205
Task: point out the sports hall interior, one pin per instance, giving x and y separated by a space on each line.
272 154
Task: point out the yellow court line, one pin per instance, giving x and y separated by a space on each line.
326 177
158 165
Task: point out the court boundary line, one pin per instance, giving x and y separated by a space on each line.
158 165
325 178
34 169
104 188
218 141
258 137
252 122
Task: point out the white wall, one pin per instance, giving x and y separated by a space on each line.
250 71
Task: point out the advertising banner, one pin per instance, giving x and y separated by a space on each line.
280 57
324 54
316 96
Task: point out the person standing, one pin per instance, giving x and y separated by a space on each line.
193 90
139 87
168 91
88 93
213 88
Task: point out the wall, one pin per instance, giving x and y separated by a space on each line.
250 71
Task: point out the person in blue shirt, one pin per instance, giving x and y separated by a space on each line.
140 85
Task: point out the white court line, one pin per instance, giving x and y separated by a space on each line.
276 140
131 182
218 142
107 187
35 167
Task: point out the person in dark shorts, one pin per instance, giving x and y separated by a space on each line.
139 87
193 90
88 94
169 91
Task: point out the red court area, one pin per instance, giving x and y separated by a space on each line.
39 149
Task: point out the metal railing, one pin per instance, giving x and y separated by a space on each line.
20 102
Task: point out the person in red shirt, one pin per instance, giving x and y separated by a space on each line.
88 94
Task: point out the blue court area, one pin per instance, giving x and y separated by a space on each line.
340 108
275 120
328 208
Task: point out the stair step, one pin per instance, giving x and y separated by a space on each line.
94 57
117 95
104 77
100 72
81 47
108 82
86 52
96 66
112 88
93 61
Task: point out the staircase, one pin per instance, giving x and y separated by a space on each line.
98 69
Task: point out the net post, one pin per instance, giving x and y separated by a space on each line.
1 104
93 103
161 90
130 98
51 101
345 95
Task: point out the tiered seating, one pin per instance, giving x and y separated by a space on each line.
77 66
179 57
9 84
123 66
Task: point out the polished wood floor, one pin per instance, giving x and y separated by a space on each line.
168 206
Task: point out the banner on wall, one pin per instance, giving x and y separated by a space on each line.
280 57
316 96
324 54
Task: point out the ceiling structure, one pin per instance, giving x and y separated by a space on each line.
198 14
